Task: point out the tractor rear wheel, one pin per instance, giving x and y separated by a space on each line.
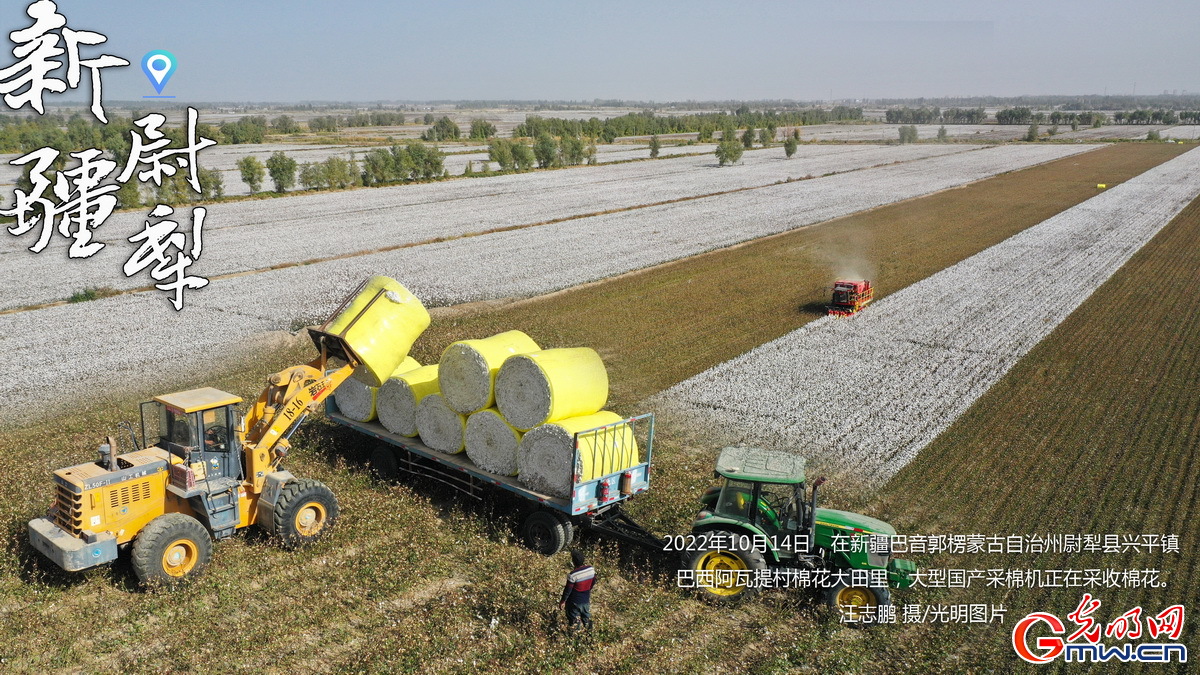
855 602
724 572
305 511
172 549
544 532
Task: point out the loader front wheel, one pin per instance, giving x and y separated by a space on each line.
304 512
172 549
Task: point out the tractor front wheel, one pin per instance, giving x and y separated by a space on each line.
725 571
854 603
304 512
172 549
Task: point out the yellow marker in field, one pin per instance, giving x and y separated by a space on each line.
1101 186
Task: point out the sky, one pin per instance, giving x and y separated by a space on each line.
304 50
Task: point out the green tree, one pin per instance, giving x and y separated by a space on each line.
545 149
522 156
748 138
129 195
482 129
252 172
338 173
655 146
572 151
467 170
796 133
284 124
282 169
729 152
1032 133
500 151
591 154
378 167
942 135
789 147
312 176
428 118
443 130
765 136
1153 135
212 187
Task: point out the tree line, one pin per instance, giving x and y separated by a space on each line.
934 114
646 123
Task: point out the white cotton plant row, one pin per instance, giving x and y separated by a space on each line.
1185 132
72 347
254 235
866 394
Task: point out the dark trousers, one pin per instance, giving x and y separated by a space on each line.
579 614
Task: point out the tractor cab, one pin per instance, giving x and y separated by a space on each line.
198 426
763 493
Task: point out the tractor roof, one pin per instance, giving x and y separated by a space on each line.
764 466
198 399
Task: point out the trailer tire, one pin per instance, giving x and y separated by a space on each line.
172 549
567 526
852 602
543 532
725 560
384 465
304 512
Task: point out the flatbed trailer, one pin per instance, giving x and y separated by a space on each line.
550 523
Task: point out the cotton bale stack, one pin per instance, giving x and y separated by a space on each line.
492 442
398 398
357 399
544 459
467 370
440 427
550 385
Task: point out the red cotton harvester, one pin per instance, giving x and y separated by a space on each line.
850 296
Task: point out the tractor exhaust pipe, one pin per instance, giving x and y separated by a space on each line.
812 515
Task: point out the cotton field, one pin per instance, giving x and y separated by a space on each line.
252 235
865 394
82 344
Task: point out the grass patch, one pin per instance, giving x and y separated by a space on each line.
93 294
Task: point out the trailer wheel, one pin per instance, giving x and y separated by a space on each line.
544 532
567 526
384 465
304 512
853 602
725 571
172 549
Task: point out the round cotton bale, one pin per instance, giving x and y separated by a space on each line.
468 368
440 428
396 403
380 324
551 385
546 452
356 399
492 443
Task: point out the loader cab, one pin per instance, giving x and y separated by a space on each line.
198 426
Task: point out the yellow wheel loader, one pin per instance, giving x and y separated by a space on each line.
201 470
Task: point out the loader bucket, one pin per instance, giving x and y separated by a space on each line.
373 328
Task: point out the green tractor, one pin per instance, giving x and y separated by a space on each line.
757 529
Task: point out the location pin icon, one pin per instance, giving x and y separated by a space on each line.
158 65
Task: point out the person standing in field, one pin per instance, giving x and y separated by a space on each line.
577 594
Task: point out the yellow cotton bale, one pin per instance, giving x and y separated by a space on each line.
492 443
440 427
380 324
544 457
550 385
468 368
360 401
398 398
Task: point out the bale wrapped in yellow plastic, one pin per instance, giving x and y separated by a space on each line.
544 458
380 324
398 398
358 400
551 385
492 443
468 368
440 427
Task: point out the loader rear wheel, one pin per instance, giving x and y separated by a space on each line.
304 512
172 549
544 533
725 571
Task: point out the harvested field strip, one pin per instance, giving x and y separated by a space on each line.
264 234
863 396
1108 405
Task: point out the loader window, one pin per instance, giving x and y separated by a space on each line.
216 429
177 430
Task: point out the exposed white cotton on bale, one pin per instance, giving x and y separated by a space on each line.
492 443
359 400
440 428
396 403
544 459
550 385
468 368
